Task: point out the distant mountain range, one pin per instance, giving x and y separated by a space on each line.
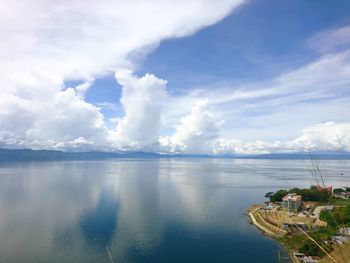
28 154
51 155
301 155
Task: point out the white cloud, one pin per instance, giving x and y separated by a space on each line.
223 146
330 70
328 136
195 133
331 40
279 108
326 77
48 43
57 123
76 39
142 100
83 88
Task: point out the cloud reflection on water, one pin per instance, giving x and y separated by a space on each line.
70 211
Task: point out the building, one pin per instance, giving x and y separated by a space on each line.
345 195
291 203
310 259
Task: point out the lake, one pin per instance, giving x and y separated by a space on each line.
144 210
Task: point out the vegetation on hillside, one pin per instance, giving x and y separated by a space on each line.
339 216
307 194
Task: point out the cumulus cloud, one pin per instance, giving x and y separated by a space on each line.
83 88
142 99
279 108
328 136
195 133
223 146
63 121
48 43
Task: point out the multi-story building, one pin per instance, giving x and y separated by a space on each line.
291 203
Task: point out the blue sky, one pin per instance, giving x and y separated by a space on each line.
202 76
260 40
255 43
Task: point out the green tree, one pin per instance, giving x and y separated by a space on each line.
338 191
347 214
309 248
339 216
268 195
277 197
329 218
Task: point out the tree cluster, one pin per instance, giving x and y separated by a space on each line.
307 194
339 216
341 190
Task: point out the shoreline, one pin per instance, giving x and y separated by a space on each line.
265 231
266 223
259 225
310 223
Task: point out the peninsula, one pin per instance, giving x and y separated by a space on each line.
313 224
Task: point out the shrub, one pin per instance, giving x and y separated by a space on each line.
338 191
309 248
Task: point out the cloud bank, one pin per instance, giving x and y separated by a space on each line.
49 44
327 136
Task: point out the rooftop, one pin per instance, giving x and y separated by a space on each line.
292 196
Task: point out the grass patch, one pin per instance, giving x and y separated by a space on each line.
340 202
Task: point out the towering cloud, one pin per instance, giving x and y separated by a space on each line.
46 43
142 100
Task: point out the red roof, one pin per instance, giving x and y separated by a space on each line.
329 189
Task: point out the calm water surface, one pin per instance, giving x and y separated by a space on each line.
167 210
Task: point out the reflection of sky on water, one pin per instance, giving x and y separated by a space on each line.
98 225
144 210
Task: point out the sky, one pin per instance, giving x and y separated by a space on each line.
186 76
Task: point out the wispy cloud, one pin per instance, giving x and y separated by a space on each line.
257 114
331 40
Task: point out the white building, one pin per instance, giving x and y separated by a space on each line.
291 203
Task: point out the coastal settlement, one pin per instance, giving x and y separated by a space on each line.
313 224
